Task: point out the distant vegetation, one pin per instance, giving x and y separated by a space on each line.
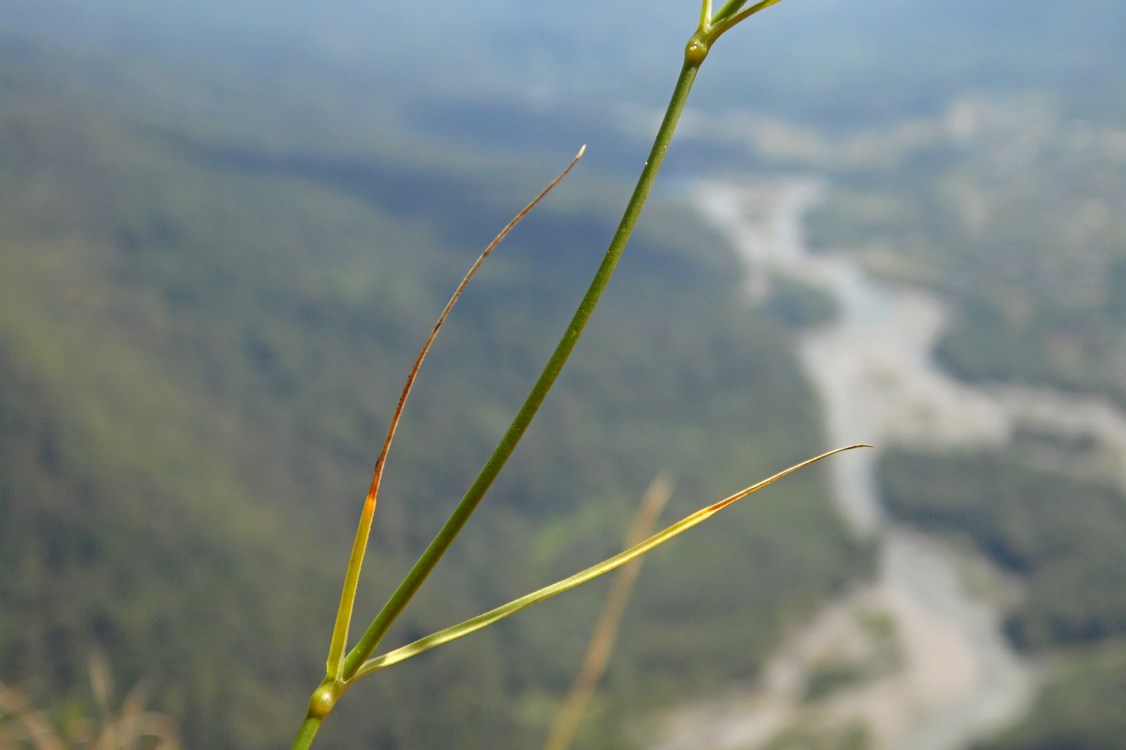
1013 215
1007 209
1081 707
222 235
201 332
1062 536
1059 533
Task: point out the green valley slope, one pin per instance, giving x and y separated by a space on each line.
202 330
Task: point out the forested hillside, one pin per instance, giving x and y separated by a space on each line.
226 227
204 322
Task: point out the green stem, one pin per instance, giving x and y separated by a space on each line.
307 732
442 541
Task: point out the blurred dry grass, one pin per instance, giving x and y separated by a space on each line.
129 727
605 633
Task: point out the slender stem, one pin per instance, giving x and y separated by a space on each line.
342 672
705 15
307 732
457 520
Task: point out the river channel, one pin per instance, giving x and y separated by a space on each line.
956 678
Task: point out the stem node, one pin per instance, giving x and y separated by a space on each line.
324 698
696 50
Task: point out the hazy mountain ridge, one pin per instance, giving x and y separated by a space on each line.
823 61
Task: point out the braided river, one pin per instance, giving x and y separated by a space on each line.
956 678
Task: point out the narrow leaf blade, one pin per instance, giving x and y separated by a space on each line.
485 619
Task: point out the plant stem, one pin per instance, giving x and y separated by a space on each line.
457 520
307 732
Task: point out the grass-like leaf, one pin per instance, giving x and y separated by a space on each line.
339 642
488 618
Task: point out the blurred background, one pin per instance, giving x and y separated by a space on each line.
226 227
